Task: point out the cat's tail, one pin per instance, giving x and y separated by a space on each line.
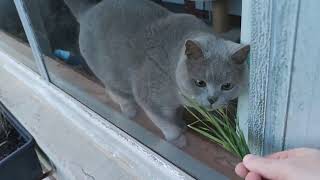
78 7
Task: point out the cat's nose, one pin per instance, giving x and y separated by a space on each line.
212 99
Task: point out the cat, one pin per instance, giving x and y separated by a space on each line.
148 56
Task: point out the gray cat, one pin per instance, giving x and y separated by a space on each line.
146 56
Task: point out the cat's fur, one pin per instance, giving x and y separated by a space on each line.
146 56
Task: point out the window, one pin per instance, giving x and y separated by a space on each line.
12 32
134 58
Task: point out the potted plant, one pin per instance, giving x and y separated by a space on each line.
18 159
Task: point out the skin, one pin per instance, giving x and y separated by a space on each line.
295 164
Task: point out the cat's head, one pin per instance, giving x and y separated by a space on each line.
212 71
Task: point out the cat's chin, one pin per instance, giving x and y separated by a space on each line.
213 108
210 108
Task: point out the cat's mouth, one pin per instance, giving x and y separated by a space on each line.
209 108
214 107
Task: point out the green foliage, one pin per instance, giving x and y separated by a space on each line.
218 127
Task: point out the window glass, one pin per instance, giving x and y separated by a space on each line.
13 39
132 59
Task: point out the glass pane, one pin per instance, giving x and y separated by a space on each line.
13 39
132 59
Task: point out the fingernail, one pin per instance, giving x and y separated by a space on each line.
249 157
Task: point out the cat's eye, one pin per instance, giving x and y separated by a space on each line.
226 87
200 83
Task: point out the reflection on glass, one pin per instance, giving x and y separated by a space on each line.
139 57
13 39
9 20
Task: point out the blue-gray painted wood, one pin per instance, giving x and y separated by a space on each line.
273 33
284 80
283 28
304 105
270 27
259 67
243 102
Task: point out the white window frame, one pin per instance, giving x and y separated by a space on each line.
60 100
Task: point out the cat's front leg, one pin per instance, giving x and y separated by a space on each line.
165 120
127 104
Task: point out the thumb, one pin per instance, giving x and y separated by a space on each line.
267 168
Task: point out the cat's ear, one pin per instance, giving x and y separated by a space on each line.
240 54
193 50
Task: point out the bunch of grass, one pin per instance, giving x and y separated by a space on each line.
218 127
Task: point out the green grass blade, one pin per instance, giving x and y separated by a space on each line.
207 135
218 127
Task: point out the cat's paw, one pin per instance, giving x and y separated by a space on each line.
129 110
180 142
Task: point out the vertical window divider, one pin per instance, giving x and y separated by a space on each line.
27 25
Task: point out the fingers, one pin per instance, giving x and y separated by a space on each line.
289 153
266 167
274 166
300 152
279 155
241 170
253 176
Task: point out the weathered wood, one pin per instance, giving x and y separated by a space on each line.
243 102
284 22
259 65
273 28
303 118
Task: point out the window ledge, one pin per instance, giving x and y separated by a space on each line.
80 143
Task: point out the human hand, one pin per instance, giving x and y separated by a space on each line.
295 164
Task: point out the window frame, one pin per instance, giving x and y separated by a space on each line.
172 154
